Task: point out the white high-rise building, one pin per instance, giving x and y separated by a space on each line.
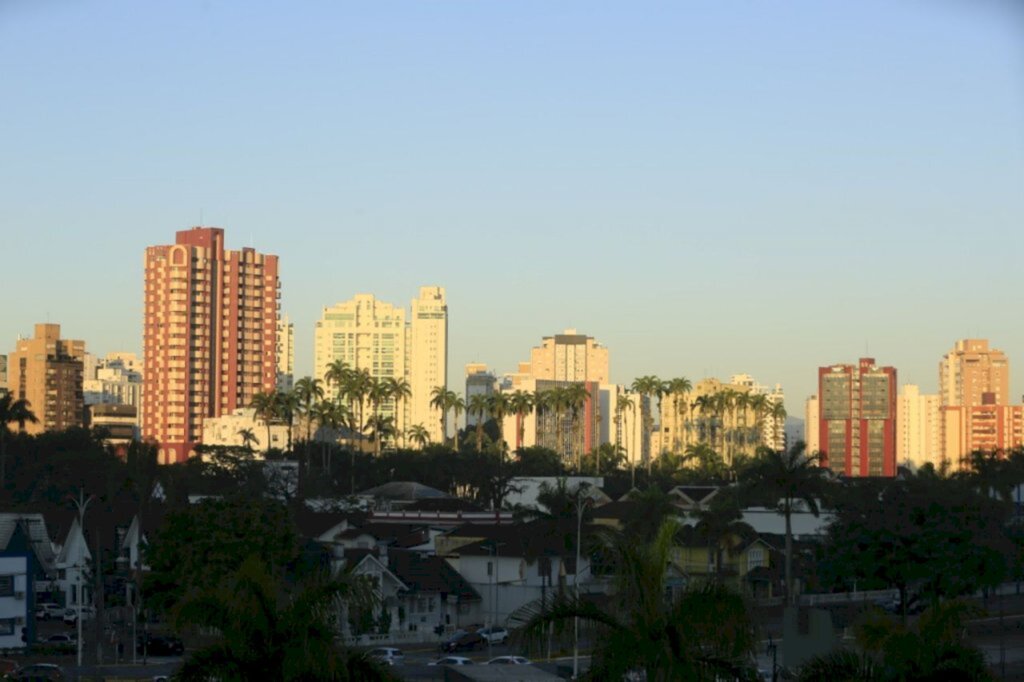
427 367
918 428
366 333
773 431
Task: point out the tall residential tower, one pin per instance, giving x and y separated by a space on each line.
46 370
210 335
857 418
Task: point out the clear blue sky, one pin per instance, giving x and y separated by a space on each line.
706 187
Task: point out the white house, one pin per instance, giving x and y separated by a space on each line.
73 568
16 607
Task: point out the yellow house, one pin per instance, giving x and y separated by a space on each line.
744 563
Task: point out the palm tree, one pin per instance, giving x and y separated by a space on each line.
441 400
248 438
398 390
308 392
337 374
651 387
267 631
357 389
478 407
266 407
624 402
788 477
286 406
498 405
380 427
12 411
458 406
521 403
418 434
679 388
332 415
576 398
699 634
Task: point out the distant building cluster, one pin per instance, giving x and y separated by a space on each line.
214 337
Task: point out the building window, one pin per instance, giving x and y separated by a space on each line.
755 558
6 627
6 585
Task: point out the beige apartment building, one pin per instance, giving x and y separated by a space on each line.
918 428
209 338
731 431
812 414
46 370
975 410
285 354
367 333
569 357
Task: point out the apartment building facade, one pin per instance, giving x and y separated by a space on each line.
209 338
46 371
857 420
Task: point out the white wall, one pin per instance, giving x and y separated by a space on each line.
14 608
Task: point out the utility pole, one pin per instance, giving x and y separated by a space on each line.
581 501
82 504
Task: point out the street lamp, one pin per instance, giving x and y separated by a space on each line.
582 501
82 504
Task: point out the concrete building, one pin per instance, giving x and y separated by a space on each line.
918 428
121 422
479 381
812 416
366 333
730 431
47 372
975 410
568 357
285 354
210 335
773 431
427 350
857 424
971 370
3 371
115 380
227 430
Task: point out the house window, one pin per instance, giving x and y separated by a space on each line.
490 568
6 585
430 605
6 626
755 558
421 605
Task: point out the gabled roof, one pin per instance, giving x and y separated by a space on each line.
74 547
532 539
33 527
313 524
370 561
694 494
429 573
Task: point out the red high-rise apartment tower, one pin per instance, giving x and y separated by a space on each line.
857 418
210 335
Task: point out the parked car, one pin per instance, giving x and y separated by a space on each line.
386 655
160 645
48 610
70 616
895 606
452 660
65 642
40 671
463 641
509 660
494 635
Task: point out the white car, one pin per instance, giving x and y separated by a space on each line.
509 660
494 635
71 615
48 610
386 655
452 660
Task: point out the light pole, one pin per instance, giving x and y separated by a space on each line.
581 501
772 651
82 504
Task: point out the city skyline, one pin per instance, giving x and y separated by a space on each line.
706 190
